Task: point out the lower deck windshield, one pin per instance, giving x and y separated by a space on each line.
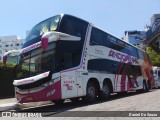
36 61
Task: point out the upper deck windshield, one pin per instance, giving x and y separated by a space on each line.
50 24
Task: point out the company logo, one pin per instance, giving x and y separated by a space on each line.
16 114
122 57
51 92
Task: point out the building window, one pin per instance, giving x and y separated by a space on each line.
17 44
7 45
11 45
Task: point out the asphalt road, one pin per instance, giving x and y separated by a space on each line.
133 101
144 103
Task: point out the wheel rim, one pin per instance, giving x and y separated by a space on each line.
106 90
91 92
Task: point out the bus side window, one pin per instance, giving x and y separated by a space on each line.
98 37
140 54
134 52
68 60
74 26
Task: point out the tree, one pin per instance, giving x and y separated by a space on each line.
155 57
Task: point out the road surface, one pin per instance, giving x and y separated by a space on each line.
133 101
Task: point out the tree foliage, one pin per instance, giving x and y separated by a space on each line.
155 57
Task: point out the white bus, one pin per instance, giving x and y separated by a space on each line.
65 57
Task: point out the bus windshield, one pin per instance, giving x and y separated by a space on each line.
37 61
50 24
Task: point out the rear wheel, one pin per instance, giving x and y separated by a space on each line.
91 93
105 92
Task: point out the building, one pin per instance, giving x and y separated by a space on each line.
8 43
155 22
137 38
149 37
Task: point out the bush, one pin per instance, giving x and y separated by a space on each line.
7 76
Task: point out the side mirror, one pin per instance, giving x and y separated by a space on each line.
44 43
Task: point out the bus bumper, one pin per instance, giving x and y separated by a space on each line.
51 92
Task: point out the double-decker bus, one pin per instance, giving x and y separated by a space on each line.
65 57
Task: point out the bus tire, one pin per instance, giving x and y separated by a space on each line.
91 92
145 87
105 93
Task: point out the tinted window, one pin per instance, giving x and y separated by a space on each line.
50 24
70 52
134 52
119 45
73 26
122 46
140 54
98 37
114 67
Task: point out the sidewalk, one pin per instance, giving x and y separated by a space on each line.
7 104
8 100
11 104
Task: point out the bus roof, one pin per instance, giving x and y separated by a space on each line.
63 15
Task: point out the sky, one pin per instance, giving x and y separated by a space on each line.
113 16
